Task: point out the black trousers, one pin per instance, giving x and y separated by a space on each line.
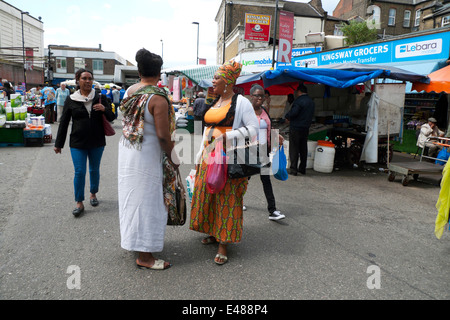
298 148
268 192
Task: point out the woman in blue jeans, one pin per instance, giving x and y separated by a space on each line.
85 108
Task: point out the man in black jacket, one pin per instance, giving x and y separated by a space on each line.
300 117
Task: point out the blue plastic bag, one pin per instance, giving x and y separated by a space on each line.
279 164
444 154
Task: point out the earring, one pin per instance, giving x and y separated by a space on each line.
225 91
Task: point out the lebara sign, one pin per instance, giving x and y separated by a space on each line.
429 47
422 48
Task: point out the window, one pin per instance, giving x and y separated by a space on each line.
97 66
61 65
338 30
79 64
417 19
392 13
445 21
407 19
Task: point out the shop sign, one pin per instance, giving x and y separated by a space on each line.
257 27
286 36
429 47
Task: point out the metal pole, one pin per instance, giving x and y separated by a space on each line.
23 53
224 31
198 36
275 34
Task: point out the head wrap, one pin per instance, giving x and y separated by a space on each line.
230 71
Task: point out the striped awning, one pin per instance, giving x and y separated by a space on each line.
195 73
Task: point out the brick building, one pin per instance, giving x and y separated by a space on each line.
309 18
14 49
397 17
65 61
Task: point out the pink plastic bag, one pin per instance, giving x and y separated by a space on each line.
216 172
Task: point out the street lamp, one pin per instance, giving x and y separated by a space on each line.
23 52
198 34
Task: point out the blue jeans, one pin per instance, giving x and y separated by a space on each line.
79 159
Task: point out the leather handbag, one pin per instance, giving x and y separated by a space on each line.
244 160
178 216
107 127
109 130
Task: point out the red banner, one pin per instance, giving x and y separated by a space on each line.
286 36
29 54
257 27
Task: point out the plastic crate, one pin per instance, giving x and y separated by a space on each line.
33 133
48 138
34 142
11 135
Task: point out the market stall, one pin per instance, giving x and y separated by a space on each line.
439 85
22 122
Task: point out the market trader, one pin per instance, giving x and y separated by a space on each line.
300 118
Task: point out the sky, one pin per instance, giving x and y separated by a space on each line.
126 26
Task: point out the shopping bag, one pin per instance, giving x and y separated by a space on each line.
216 172
190 181
279 164
444 154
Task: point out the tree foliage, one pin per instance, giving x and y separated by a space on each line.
358 32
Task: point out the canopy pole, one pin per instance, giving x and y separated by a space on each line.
275 35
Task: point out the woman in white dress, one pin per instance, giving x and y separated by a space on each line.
147 124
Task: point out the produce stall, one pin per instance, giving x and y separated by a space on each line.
22 122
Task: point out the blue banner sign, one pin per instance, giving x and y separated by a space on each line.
428 47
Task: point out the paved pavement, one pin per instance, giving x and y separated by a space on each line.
350 234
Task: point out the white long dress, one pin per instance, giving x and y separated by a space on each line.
142 213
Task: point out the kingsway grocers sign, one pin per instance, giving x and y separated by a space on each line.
430 47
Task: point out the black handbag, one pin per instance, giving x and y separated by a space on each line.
244 160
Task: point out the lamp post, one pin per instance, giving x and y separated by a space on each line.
198 35
23 52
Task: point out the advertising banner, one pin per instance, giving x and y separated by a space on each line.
257 27
403 51
286 36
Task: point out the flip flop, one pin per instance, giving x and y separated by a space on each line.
221 257
209 240
158 265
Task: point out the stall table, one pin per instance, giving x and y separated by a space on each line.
340 137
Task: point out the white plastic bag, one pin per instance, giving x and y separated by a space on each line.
190 180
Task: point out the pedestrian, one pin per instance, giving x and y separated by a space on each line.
220 215
61 95
287 106
49 101
267 100
115 99
87 139
300 119
148 123
122 92
8 90
199 108
264 137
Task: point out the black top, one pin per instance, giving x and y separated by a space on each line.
302 112
199 107
87 131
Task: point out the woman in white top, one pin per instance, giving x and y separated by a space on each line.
146 135
265 125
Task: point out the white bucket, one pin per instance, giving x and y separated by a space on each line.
311 153
324 159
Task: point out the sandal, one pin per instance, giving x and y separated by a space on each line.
220 256
158 265
209 240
